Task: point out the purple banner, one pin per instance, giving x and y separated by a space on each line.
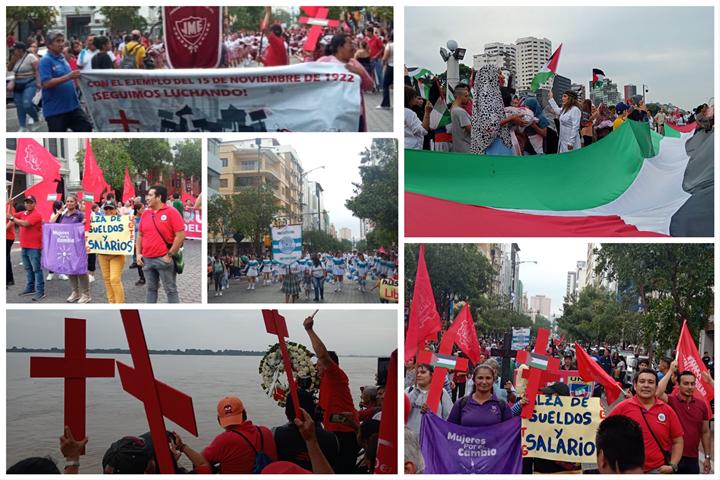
450 448
64 248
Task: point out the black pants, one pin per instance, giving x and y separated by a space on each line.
689 465
140 273
587 140
92 260
349 448
387 81
75 121
8 265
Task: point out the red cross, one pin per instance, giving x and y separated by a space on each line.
439 373
534 375
75 368
318 19
160 400
275 325
124 121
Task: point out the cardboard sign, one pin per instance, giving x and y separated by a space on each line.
562 429
64 248
111 235
389 290
193 223
520 338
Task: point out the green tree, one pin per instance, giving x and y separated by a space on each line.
281 15
112 157
37 17
221 212
254 211
245 17
187 157
123 19
376 197
320 241
381 14
149 154
594 316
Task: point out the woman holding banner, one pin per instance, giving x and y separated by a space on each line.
80 283
112 266
482 407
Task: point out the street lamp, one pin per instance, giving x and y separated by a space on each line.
645 90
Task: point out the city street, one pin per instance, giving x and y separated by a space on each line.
58 290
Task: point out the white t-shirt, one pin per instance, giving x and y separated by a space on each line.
414 131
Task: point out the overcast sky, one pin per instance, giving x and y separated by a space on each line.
670 49
555 257
340 154
348 332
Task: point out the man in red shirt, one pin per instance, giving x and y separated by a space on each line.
377 49
340 416
662 432
30 223
694 417
276 53
160 236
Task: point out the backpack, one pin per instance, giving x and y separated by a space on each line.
128 60
262 459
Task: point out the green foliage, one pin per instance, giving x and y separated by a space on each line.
380 237
123 19
282 16
38 17
376 197
220 212
382 14
248 18
594 316
187 157
150 154
112 157
319 241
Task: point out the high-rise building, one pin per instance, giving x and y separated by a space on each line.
531 55
494 253
313 206
214 167
580 89
571 284
560 85
540 304
607 94
345 234
629 91
500 55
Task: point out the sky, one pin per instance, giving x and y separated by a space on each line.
340 155
348 332
669 49
555 258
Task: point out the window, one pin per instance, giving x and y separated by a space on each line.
223 183
52 146
243 181
11 143
249 165
224 162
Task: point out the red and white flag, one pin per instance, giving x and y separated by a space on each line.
193 36
688 358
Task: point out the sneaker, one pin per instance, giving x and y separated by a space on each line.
217 294
29 121
38 297
221 294
140 282
49 277
22 129
73 298
84 299
26 292
249 286
63 276
91 277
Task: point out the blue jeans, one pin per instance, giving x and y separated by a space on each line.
33 270
378 67
23 103
319 286
156 270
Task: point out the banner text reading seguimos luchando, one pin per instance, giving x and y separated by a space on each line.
310 96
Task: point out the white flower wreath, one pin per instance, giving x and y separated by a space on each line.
272 370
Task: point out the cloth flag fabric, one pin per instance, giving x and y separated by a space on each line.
440 114
633 183
193 36
465 334
287 244
424 319
387 448
598 78
547 72
45 194
128 187
591 371
64 248
93 182
688 358
452 449
423 78
33 158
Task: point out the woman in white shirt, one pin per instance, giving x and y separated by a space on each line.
415 130
570 116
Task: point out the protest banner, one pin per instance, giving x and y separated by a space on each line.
451 449
520 338
64 248
193 223
389 290
310 97
111 235
562 429
287 244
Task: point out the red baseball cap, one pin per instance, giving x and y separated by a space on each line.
230 411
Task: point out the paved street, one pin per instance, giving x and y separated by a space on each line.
237 292
57 290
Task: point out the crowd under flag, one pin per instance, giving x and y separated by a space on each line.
422 76
547 72
688 359
598 78
424 320
463 328
590 370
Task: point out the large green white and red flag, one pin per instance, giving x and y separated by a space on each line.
632 183
547 72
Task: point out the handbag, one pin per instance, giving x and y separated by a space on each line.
666 454
177 257
12 83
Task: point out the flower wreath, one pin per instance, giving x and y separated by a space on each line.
272 370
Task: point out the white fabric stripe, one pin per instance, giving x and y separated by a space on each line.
654 196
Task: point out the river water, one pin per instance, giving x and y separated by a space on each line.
35 405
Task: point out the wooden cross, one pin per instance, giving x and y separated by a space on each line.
443 355
539 361
75 368
275 324
160 400
318 20
507 354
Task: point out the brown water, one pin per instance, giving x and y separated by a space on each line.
35 405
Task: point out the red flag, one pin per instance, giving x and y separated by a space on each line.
128 188
387 447
45 194
688 358
93 182
424 323
31 157
465 334
590 370
193 36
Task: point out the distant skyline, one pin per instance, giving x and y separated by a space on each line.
670 49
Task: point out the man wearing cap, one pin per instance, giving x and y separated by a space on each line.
340 416
61 106
235 449
160 236
30 223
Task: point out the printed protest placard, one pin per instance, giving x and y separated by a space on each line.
193 223
111 235
64 248
389 290
287 244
